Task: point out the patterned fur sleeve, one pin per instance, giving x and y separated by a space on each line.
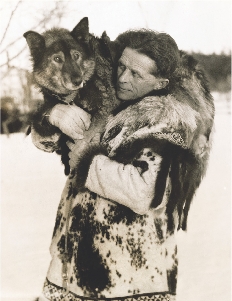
84 161
132 185
48 143
44 136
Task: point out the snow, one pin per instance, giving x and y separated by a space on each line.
32 182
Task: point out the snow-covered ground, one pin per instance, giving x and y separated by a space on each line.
32 181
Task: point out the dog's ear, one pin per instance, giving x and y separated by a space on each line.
115 50
36 43
81 31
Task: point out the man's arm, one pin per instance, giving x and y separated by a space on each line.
124 184
129 185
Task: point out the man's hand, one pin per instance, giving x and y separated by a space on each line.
70 119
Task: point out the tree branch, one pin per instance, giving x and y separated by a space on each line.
11 68
46 18
10 21
13 57
33 28
58 11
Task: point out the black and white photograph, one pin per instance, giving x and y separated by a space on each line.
115 150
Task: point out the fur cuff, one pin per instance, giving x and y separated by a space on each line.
40 123
84 162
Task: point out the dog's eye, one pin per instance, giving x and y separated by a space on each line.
57 59
76 56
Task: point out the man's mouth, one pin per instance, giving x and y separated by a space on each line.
123 89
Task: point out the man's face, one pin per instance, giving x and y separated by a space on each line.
134 75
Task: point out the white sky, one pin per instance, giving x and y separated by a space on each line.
195 25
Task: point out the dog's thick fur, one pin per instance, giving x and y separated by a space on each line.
72 67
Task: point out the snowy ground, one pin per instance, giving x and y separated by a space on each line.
32 182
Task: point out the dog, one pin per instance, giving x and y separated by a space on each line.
73 68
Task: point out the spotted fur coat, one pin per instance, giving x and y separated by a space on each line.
112 250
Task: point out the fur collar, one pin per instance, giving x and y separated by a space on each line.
160 117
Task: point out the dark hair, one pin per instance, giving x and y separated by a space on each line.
160 47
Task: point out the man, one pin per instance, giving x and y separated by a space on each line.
115 230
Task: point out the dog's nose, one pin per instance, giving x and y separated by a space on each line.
76 82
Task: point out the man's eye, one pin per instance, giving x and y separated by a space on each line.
121 66
58 59
135 74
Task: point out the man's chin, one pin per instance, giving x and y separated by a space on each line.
124 95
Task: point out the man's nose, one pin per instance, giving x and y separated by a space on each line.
124 76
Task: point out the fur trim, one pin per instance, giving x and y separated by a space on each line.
84 162
162 117
40 121
46 143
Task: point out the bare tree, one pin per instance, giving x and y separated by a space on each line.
58 12
8 24
22 92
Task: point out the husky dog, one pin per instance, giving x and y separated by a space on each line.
63 62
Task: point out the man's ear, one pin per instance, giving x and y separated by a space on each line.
36 44
161 84
81 31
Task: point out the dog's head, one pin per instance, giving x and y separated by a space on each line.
62 60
